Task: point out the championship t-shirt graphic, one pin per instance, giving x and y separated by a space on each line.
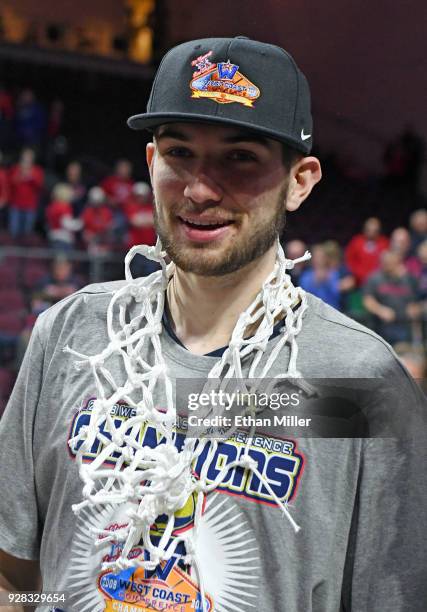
226 550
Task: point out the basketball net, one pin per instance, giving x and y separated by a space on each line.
159 481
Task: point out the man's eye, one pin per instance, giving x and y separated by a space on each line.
243 156
178 152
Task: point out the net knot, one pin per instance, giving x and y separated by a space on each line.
139 293
200 485
117 438
291 263
96 360
248 462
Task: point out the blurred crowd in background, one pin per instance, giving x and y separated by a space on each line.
57 216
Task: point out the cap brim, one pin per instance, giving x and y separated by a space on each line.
148 121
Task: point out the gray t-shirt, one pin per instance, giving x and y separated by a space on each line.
360 503
396 292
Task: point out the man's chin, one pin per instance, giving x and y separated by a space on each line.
199 261
220 258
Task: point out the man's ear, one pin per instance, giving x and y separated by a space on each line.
304 174
149 156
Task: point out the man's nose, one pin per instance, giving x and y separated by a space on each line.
202 187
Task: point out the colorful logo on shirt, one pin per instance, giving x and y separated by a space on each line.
184 518
169 586
225 545
171 589
221 82
225 550
277 460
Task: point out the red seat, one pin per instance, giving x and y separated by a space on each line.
32 240
12 300
12 261
11 324
8 276
6 239
33 273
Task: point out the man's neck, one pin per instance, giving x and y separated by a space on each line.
204 309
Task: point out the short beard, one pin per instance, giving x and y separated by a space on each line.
236 257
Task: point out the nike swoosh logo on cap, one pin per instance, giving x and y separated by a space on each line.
304 136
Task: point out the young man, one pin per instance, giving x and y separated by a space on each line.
268 520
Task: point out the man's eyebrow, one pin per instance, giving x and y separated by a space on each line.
171 133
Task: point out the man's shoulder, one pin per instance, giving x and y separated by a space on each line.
86 307
335 319
349 346
106 289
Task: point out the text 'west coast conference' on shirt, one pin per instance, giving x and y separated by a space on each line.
360 502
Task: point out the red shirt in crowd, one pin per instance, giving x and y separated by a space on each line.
4 187
363 255
117 189
56 212
25 187
97 220
140 218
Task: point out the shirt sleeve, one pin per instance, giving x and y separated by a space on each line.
19 518
386 557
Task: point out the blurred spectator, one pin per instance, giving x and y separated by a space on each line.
73 178
418 227
139 214
391 296
60 283
118 188
61 224
422 271
97 220
6 117
56 144
55 119
6 104
320 279
363 251
26 183
38 304
4 192
30 119
295 249
347 282
400 242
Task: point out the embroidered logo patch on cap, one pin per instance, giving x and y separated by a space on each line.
221 82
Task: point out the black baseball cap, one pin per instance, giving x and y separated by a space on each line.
232 81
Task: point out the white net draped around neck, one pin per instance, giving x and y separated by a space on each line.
159 481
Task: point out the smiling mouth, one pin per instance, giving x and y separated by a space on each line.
205 224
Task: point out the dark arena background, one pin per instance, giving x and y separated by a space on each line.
72 72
